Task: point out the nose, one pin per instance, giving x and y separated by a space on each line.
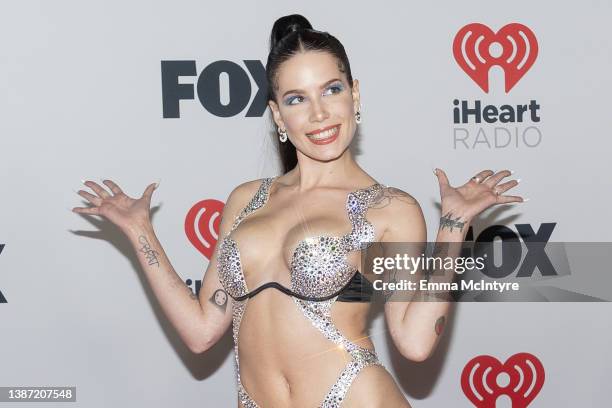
319 111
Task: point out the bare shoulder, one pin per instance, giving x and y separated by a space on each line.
394 198
246 189
400 214
240 196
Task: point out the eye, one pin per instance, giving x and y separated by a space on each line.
289 101
336 88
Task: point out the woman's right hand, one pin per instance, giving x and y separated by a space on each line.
123 211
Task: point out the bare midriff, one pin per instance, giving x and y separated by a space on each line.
286 362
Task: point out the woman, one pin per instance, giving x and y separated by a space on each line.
288 246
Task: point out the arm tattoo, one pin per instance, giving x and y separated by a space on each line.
392 279
150 253
219 299
440 325
385 195
447 221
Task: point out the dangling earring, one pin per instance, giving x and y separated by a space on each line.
358 117
282 135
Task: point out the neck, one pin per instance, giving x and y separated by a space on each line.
337 173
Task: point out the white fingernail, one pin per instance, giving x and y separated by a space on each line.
525 200
157 183
518 180
435 171
83 181
511 171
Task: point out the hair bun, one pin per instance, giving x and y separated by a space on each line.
286 25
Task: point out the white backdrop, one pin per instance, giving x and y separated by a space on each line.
82 99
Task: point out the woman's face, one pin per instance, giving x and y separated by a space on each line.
315 104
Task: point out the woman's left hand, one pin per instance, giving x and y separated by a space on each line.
479 193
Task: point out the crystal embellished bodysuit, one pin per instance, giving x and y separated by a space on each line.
320 275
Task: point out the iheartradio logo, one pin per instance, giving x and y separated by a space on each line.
484 379
477 48
202 225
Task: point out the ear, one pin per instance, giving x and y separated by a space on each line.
356 95
276 114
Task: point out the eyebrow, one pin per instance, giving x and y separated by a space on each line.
300 91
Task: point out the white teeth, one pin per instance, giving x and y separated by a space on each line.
325 134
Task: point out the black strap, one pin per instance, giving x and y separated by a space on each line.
357 289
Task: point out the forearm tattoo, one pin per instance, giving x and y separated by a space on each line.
385 195
149 253
439 326
151 256
392 279
219 299
447 221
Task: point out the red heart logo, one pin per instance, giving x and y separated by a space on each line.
480 382
472 51
202 225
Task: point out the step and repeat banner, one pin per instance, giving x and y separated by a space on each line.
174 92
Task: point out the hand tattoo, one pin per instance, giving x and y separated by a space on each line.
447 221
150 253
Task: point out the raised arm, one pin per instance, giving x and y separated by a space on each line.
213 299
410 329
200 322
416 326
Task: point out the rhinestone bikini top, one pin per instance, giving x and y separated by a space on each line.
319 269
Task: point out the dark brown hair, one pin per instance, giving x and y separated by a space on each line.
290 35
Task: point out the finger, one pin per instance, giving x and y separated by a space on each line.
97 201
509 199
502 188
442 179
149 191
98 189
480 177
114 187
496 178
90 210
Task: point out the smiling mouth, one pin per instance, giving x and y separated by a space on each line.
325 134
